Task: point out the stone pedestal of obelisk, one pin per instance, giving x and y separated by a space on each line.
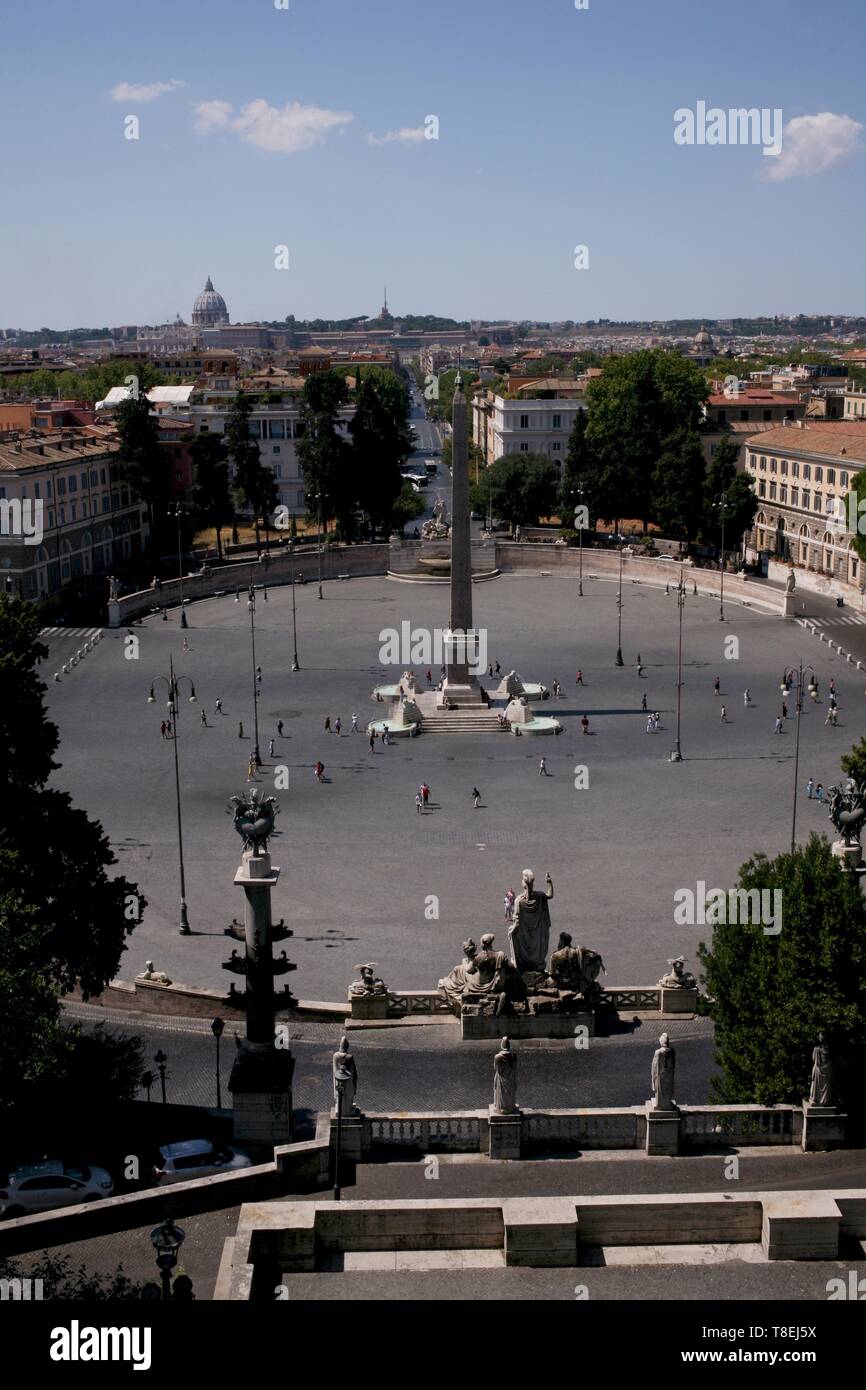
261 1079
460 687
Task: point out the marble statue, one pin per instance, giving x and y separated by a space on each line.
790 582
454 983
529 933
505 1080
575 968
821 1092
437 527
484 977
848 811
346 1072
113 589
678 977
157 977
368 983
254 819
663 1070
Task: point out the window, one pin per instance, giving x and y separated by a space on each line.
768 414
819 475
277 429
48 488
72 515
762 488
102 476
106 502
817 504
772 492
301 500
744 415
557 448
795 497
831 475
807 471
84 506
807 498
35 489
72 483
784 465
795 469
255 427
178 476
62 516
524 422
843 479
275 448
115 501
51 520
61 487
774 465
277 470
783 492
83 481
300 429
524 448
763 463
722 416
557 422
94 481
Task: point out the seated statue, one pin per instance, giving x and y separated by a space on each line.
368 983
454 983
486 978
576 969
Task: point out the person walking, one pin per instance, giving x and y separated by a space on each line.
784 709
777 729
643 702
649 724
279 728
240 730
717 686
829 719
819 793
419 802
747 697
497 670
425 793
372 740
218 707
832 685
204 723
476 798
656 721
584 724
251 770
723 715
579 678
832 700
639 661
508 902
640 668
338 726
810 788
490 671
319 771
542 768
835 716
168 728
354 723
270 748
327 723
162 728
429 678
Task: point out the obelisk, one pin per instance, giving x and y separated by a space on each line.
461 686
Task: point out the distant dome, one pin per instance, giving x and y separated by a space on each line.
209 308
703 338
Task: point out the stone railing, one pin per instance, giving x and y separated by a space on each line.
741 1124
420 1001
457 1133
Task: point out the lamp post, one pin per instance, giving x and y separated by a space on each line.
721 502
251 608
800 670
161 1060
296 665
166 1241
178 514
321 542
147 1080
619 661
173 683
217 1029
677 754
578 512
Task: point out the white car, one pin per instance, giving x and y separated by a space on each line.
44 1186
197 1158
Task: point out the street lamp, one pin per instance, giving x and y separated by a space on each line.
173 683
321 539
296 665
251 608
578 511
721 502
812 685
178 514
677 754
217 1029
166 1241
619 661
161 1060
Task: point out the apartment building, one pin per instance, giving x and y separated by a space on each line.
740 414
528 423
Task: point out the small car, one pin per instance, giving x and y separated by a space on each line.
196 1158
53 1183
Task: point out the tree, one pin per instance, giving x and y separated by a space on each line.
243 450
678 485
578 482
68 1283
380 442
62 919
772 994
323 453
407 507
211 494
854 763
143 463
522 488
740 500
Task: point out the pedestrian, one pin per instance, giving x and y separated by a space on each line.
835 719
497 669
251 770
279 728
723 715
656 720
584 724
354 723
639 661
165 615
810 787
777 729
270 748
819 793
649 724
327 723
240 730
259 674
204 722
747 697
667 588
162 728
168 728
784 709
643 702
579 678
508 901
639 669
425 792
419 802
338 726
476 798
319 771
832 685
829 719
185 644
542 768
218 707
490 670
372 741
429 677
717 686
832 701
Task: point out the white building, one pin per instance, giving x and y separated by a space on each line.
529 424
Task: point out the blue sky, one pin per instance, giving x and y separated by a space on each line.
555 129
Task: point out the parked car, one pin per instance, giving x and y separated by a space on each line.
53 1183
196 1158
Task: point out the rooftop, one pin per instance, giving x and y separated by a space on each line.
37 448
833 439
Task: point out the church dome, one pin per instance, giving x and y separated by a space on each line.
703 338
210 307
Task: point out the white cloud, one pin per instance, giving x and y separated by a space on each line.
280 130
814 144
144 91
406 136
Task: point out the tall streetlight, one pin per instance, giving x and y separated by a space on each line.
677 754
578 513
799 710
166 1241
173 683
178 514
216 1028
619 660
161 1060
721 502
321 542
251 609
296 665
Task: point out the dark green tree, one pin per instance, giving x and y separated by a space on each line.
740 500
678 485
323 453
408 506
854 762
143 462
578 481
521 488
211 493
380 443
772 994
243 450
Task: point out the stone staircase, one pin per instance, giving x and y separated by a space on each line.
463 721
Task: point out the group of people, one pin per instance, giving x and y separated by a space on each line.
337 726
815 791
422 798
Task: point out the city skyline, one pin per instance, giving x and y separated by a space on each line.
425 151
